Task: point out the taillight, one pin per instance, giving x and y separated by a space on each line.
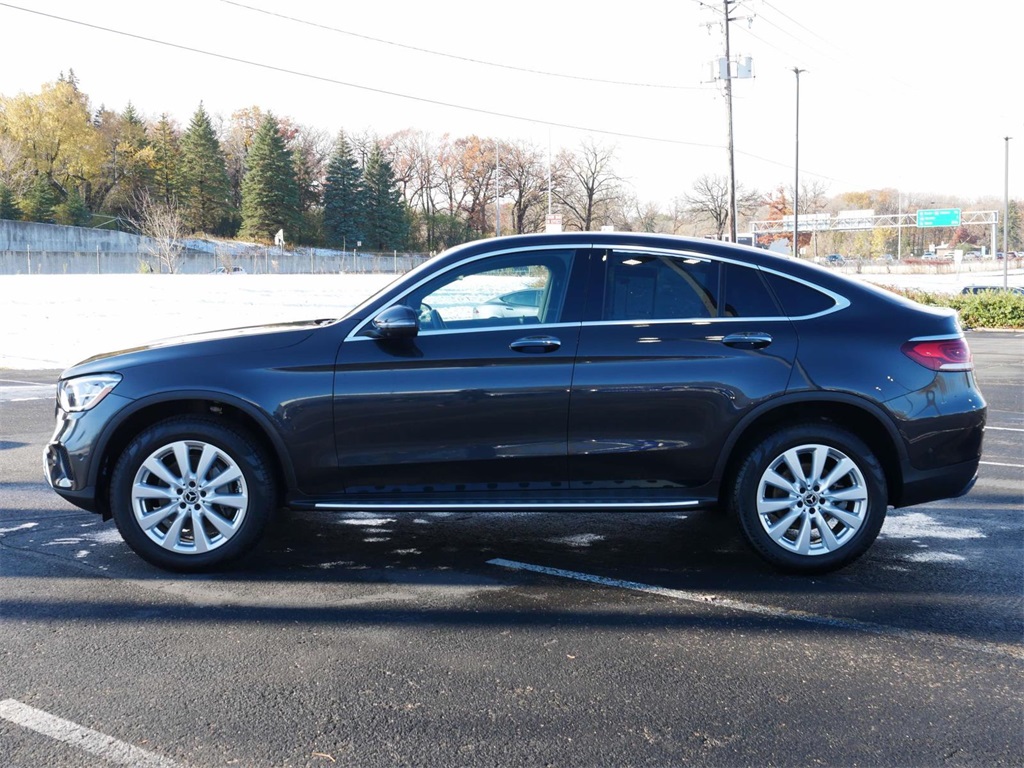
949 354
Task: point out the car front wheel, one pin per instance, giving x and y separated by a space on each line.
810 498
191 494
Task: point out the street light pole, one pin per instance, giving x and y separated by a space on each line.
1006 212
899 225
796 169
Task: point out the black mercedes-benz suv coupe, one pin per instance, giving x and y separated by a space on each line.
648 373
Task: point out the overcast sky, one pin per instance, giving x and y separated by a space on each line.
908 94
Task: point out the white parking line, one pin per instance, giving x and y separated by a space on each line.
1000 464
79 736
1005 429
766 610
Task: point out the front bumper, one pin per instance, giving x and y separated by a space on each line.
72 458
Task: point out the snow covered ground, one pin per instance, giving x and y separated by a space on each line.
53 321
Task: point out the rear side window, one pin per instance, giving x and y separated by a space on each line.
658 287
799 299
746 294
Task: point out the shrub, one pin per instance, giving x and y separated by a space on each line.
990 309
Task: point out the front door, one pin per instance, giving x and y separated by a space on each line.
478 401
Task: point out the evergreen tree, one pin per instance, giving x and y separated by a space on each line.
204 188
38 203
387 227
344 197
270 193
8 205
73 211
166 161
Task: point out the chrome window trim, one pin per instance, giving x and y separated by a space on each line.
841 302
523 329
688 321
942 337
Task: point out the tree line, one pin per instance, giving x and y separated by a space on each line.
256 174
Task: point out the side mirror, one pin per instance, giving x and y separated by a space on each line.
395 322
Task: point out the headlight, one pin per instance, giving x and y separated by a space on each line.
84 392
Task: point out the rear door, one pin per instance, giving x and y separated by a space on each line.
675 349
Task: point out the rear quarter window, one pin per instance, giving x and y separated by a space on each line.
799 299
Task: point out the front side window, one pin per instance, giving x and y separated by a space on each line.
510 289
643 286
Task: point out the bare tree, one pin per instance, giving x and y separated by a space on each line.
311 150
14 170
524 180
633 216
402 151
164 225
465 181
710 201
414 156
587 184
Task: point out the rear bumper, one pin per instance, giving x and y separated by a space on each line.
920 486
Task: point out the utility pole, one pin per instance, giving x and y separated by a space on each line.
728 102
497 191
728 70
796 167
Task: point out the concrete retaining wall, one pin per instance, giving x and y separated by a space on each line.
49 249
23 236
258 261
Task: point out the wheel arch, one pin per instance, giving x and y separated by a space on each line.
856 415
232 411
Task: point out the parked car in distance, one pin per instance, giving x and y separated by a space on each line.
522 303
835 259
657 373
228 271
1015 289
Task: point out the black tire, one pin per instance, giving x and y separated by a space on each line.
200 517
810 527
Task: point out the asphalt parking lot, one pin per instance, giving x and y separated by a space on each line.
515 639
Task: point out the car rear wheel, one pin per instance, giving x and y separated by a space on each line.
191 494
810 498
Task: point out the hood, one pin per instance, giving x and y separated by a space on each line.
228 341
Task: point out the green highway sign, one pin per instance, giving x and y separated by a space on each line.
939 217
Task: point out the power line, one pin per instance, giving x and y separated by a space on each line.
394 94
456 57
371 89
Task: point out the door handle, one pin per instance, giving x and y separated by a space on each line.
535 344
748 340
